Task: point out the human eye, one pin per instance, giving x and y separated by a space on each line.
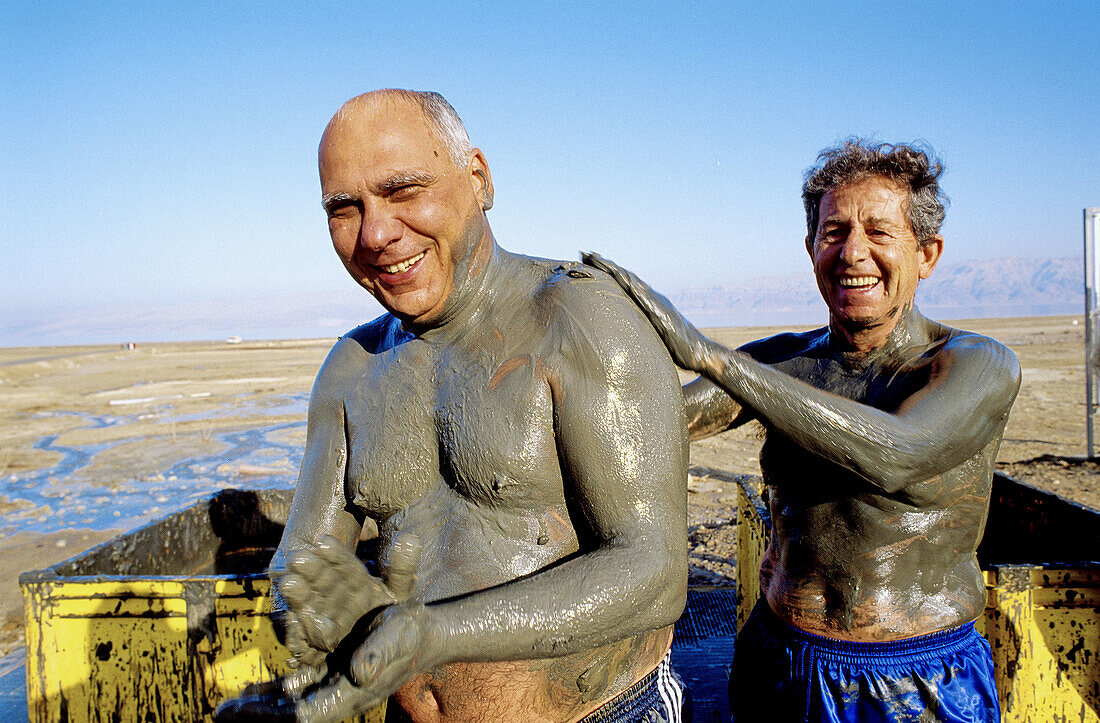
340 205
341 210
403 191
880 235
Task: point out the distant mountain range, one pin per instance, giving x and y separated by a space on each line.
969 289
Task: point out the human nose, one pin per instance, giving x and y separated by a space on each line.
855 247
378 229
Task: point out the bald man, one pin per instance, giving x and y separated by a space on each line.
514 428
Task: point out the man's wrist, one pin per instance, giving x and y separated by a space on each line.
436 637
713 361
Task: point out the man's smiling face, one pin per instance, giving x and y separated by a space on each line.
866 259
403 217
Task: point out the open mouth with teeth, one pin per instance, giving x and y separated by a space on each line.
402 266
858 282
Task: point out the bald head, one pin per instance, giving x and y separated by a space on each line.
405 215
441 117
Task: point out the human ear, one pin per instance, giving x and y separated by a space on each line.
481 179
930 254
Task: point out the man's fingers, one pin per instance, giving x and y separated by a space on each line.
285 623
307 657
400 565
335 702
292 634
365 666
594 260
295 639
326 636
296 682
314 570
294 589
335 553
682 339
320 630
639 290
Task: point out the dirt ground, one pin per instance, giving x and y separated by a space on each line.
95 440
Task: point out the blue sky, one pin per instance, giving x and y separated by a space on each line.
166 155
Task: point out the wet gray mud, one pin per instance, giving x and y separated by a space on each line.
69 495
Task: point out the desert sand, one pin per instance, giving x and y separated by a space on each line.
97 440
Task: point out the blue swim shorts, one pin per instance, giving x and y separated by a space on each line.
781 673
656 698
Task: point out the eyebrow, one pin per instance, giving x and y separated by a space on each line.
422 178
331 200
872 221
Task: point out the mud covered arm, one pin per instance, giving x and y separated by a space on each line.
972 385
319 519
709 408
623 451
320 507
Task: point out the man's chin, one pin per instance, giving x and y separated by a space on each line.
414 316
409 307
856 321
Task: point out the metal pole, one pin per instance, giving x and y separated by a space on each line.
1092 325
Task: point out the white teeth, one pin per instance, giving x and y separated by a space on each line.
404 265
849 282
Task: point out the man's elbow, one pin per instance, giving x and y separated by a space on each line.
915 464
666 580
700 428
670 603
893 475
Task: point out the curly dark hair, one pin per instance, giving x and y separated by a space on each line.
913 166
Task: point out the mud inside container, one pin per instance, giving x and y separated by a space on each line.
1028 526
233 533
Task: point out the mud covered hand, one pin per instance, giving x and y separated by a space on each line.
336 699
328 589
403 642
291 633
687 345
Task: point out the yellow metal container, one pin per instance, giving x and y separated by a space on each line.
1041 558
161 624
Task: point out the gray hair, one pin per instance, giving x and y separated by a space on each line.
444 120
914 167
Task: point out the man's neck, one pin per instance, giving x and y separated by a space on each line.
868 343
474 280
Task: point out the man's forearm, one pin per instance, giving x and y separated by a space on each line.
709 409
594 599
889 450
591 600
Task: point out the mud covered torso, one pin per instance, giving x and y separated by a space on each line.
848 559
465 460
451 435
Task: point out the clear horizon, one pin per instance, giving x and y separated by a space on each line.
948 294
159 156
